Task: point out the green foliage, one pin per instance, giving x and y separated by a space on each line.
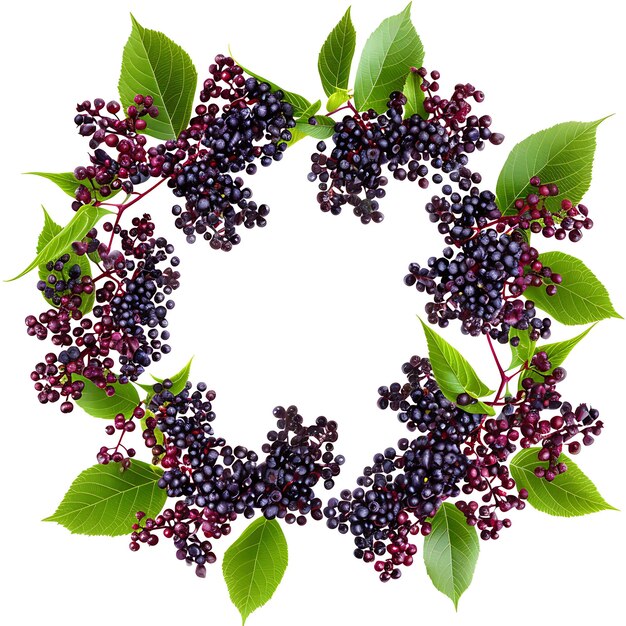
389 53
322 129
568 495
524 351
336 99
580 299
414 96
49 231
562 154
152 64
103 500
335 58
179 380
557 353
451 552
254 565
83 221
454 374
67 182
98 404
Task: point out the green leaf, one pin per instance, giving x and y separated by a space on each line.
570 494
152 64
158 433
335 58
68 183
414 96
562 154
103 500
296 136
98 404
454 374
179 380
147 387
337 99
557 353
392 49
83 221
580 299
451 552
49 231
524 350
299 103
254 565
323 129
311 111
301 132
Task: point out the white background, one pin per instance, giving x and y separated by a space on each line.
311 311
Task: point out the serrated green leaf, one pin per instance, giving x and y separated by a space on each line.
337 99
152 64
580 299
389 53
524 350
67 182
323 129
179 380
562 154
98 404
254 565
148 388
335 57
296 136
299 103
158 433
451 552
103 501
49 231
454 374
83 221
557 353
414 96
570 494
310 112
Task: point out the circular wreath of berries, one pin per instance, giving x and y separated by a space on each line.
471 456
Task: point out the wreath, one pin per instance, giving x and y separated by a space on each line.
472 457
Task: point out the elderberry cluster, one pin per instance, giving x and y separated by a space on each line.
456 452
406 145
217 482
251 126
132 164
521 423
129 316
397 495
481 285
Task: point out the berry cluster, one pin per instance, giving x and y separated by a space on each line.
252 125
217 482
521 422
132 164
482 284
455 452
365 142
131 308
401 491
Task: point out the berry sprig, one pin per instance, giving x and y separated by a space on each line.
481 285
364 142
